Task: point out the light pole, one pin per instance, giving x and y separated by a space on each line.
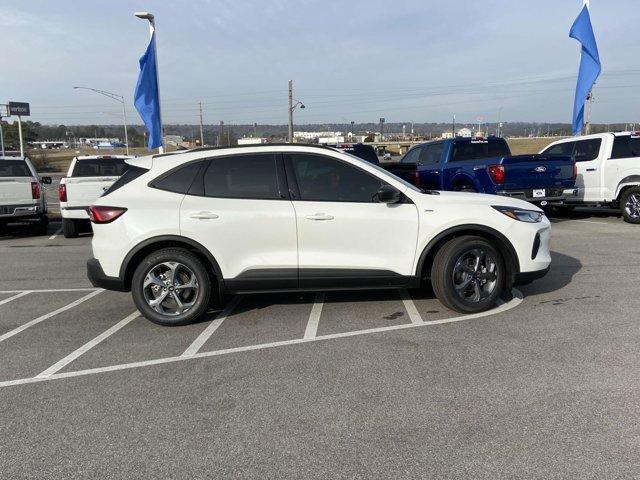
292 107
118 98
152 30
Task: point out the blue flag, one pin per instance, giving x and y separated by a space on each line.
146 96
590 68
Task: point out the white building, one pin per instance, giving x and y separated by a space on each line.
332 139
252 141
315 135
465 132
446 135
173 140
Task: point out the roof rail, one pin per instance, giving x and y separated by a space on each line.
255 145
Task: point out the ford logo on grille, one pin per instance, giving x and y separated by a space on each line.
540 169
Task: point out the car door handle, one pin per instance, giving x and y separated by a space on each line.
319 216
591 169
204 215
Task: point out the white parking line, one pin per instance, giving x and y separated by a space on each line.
58 232
42 318
212 327
514 302
591 221
410 307
53 290
88 346
314 316
21 294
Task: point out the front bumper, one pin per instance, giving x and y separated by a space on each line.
98 278
523 278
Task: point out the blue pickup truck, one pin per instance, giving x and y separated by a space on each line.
485 165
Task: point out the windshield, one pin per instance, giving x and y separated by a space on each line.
100 167
14 168
385 172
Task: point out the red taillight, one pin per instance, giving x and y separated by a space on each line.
35 190
416 178
105 214
497 173
575 171
62 192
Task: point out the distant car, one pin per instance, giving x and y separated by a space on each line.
360 150
608 167
88 177
178 230
21 193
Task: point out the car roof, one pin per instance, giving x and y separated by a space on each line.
234 148
103 157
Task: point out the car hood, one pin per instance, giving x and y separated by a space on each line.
469 199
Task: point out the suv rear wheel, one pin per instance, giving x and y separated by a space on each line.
630 205
171 287
468 274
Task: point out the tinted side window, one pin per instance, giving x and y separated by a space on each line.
586 150
431 154
131 174
412 156
498 148
326 179
242 176
466 150
179 180
626 147
565 148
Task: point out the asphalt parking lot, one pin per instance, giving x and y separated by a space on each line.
384 384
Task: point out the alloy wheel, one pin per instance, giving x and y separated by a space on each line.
170 288
632 206
475 275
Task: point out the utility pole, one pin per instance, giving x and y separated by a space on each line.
290 133
587 123
382 129
1 134
201 131
220 133
255 129
453 126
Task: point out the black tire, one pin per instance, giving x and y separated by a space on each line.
201 299
69 228
41 226
630 206
443 275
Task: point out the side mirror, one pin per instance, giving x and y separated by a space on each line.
389 194
45 180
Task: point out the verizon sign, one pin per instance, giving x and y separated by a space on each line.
19 109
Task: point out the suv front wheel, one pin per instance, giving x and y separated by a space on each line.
171 287
468 274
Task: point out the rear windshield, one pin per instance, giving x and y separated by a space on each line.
131 174
14 168
101 167
473 149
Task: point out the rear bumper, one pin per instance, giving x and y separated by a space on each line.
20 211
524 278
97 277
553 195
79 213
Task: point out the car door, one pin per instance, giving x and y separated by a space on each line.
239 209
430 157
624 162
345 237
589 181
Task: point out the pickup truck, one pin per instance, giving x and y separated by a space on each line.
485 165
608 167
21 194
88 178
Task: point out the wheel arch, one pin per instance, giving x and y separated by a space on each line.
135 256
463 179
512 261
627 183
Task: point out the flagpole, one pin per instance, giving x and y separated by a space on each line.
152 29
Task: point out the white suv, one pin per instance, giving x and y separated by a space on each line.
180 230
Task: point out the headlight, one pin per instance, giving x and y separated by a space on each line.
529 216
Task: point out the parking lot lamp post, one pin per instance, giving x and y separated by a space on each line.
292 107
118 98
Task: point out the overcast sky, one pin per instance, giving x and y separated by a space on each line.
358 60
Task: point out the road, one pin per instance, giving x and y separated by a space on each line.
345 385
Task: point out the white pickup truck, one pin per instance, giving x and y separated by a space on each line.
88 178
21 194
608 171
